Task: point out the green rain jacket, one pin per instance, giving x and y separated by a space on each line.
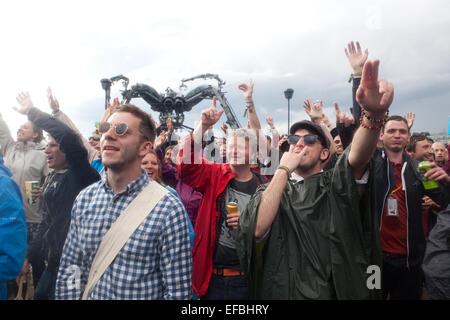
321 243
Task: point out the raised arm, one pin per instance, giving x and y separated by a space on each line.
315 112
247 90
274 131
209 118
410 117
192 168
61 116
69 142
253 120
356 60
345 124
375 96
271 197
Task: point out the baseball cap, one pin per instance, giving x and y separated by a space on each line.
313 128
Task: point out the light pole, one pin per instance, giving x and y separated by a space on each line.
288 94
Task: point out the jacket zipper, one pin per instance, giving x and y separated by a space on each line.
387 192
407 215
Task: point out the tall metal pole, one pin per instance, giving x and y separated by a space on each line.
106 85
289 115
288 95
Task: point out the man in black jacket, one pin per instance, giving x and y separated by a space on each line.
71 173
399 194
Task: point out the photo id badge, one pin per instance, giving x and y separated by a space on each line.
392 207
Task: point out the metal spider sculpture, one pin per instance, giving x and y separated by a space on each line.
172 104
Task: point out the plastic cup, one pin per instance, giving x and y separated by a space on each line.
29 187
428 184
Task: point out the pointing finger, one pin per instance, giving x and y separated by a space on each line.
336 107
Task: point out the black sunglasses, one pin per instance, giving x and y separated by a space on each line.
120 128
309 139
94 138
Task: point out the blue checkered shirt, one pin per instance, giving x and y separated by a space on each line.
155 263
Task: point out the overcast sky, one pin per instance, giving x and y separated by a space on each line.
279 44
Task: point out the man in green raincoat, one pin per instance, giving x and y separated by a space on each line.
316 235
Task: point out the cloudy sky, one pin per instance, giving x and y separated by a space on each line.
279 44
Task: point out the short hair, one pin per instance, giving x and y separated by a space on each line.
146 127
416 137
249 134
38 131
396 118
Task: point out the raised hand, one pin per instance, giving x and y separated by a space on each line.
110 109
410 117
247 89
224 128
341 117
25 103
269 121
169 125
314 110
160 140
373 95
210 116
52 101
355 56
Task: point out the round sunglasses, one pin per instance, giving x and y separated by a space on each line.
309 139
120 128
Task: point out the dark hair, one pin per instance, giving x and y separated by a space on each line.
40 133
146 127
396 118
169 148
416 137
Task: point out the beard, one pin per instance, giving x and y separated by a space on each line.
121 160
306 167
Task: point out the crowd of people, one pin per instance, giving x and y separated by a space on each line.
135 212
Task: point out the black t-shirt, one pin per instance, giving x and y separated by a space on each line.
225 255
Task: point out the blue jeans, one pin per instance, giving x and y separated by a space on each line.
45 289
227 288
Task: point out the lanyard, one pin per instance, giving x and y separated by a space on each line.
395 190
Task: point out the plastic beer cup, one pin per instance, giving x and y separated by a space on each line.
428 184
29 187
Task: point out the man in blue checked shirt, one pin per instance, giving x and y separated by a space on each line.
156 262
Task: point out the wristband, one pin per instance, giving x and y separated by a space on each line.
285 169
376 123
353 75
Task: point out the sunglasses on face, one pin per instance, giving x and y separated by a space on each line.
120 128
94 138
309 139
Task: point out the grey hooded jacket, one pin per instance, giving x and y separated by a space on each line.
27 162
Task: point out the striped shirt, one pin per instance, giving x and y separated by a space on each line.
155 263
